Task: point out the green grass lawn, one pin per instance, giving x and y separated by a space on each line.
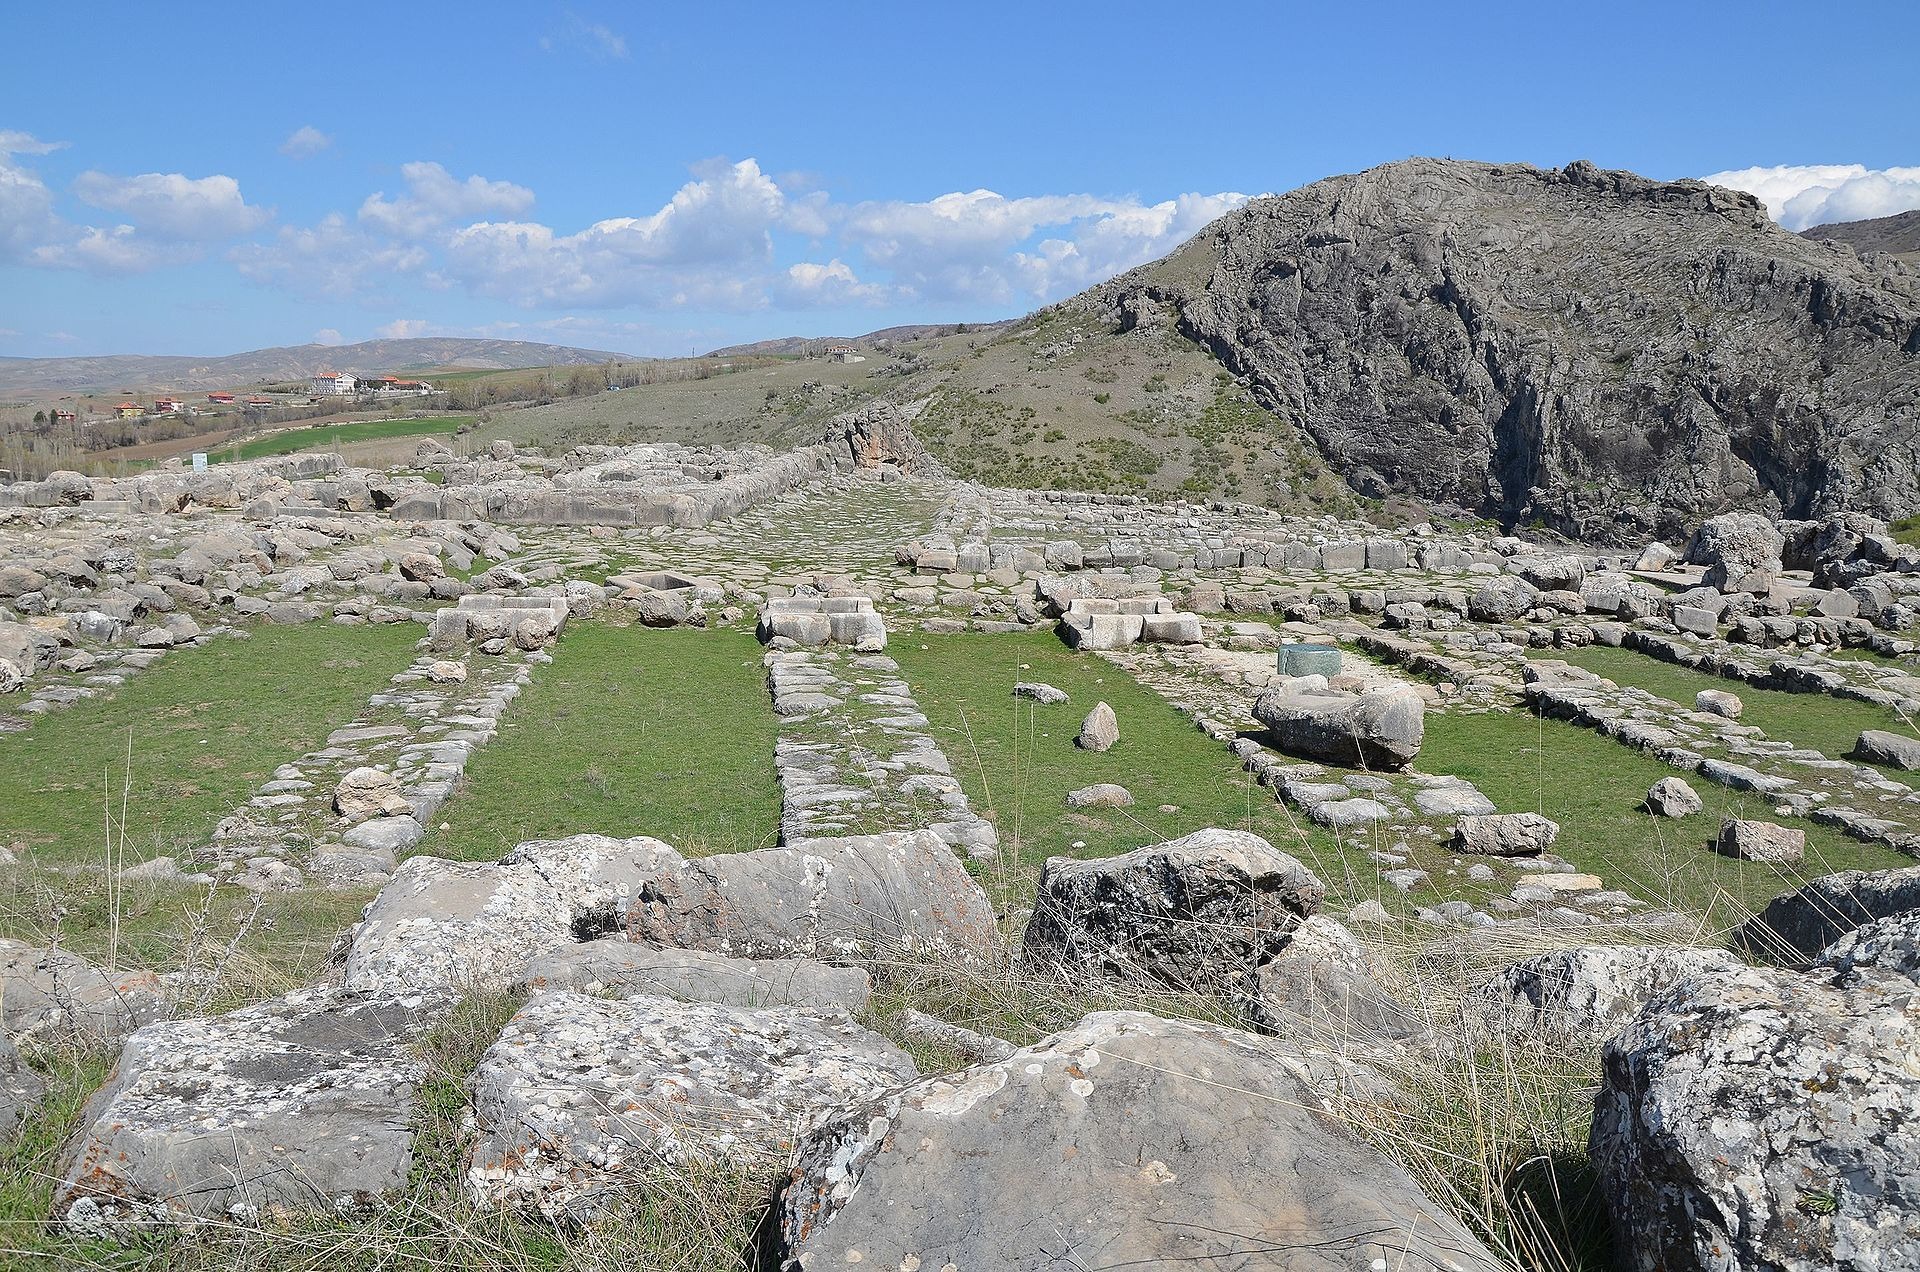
1828 724
628 732
327 436
1593 787
206 726
1017 760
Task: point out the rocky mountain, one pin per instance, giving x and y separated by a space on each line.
1611 356
1898 234
20 376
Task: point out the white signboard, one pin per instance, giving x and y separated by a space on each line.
199 461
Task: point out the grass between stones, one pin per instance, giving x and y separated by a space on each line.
1593 786
1017 760
327 436
629 731
204 728
1821 721
208 726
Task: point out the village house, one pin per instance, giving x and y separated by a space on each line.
333 384
128 411
220 399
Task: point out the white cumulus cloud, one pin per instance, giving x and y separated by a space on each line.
809 284
27 221
436 198
171 206
1800 195
305 142
981 246
334 260
702 247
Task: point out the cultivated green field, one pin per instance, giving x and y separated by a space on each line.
627 732
329 436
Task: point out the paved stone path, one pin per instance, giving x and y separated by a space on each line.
421 730
854 756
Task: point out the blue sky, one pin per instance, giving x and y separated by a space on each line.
209 178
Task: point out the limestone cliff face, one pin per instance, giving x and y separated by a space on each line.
878 434
1612 356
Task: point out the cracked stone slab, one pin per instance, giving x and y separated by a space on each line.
581 1098
620 967
300 1103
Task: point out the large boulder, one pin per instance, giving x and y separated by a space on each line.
1589 991
1379 729
1505 834
582 1098
1325 984
1794 928
454 925
1760 1118
1502 599
1883 746
1100 731
1126 1141
897 894
300 1103
1741 551
1760 841
1673 797
1198 914
473 925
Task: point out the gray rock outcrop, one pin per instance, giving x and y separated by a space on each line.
474 925
1589 991
1199 914
1126 1141
1741 551
1796 927
1395 314
1759 1118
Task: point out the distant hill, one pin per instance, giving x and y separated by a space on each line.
1593 351
1898 234
22 376
800 346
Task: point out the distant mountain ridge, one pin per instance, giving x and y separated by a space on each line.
133 372
1898 234
786 346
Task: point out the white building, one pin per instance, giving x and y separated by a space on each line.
333 384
